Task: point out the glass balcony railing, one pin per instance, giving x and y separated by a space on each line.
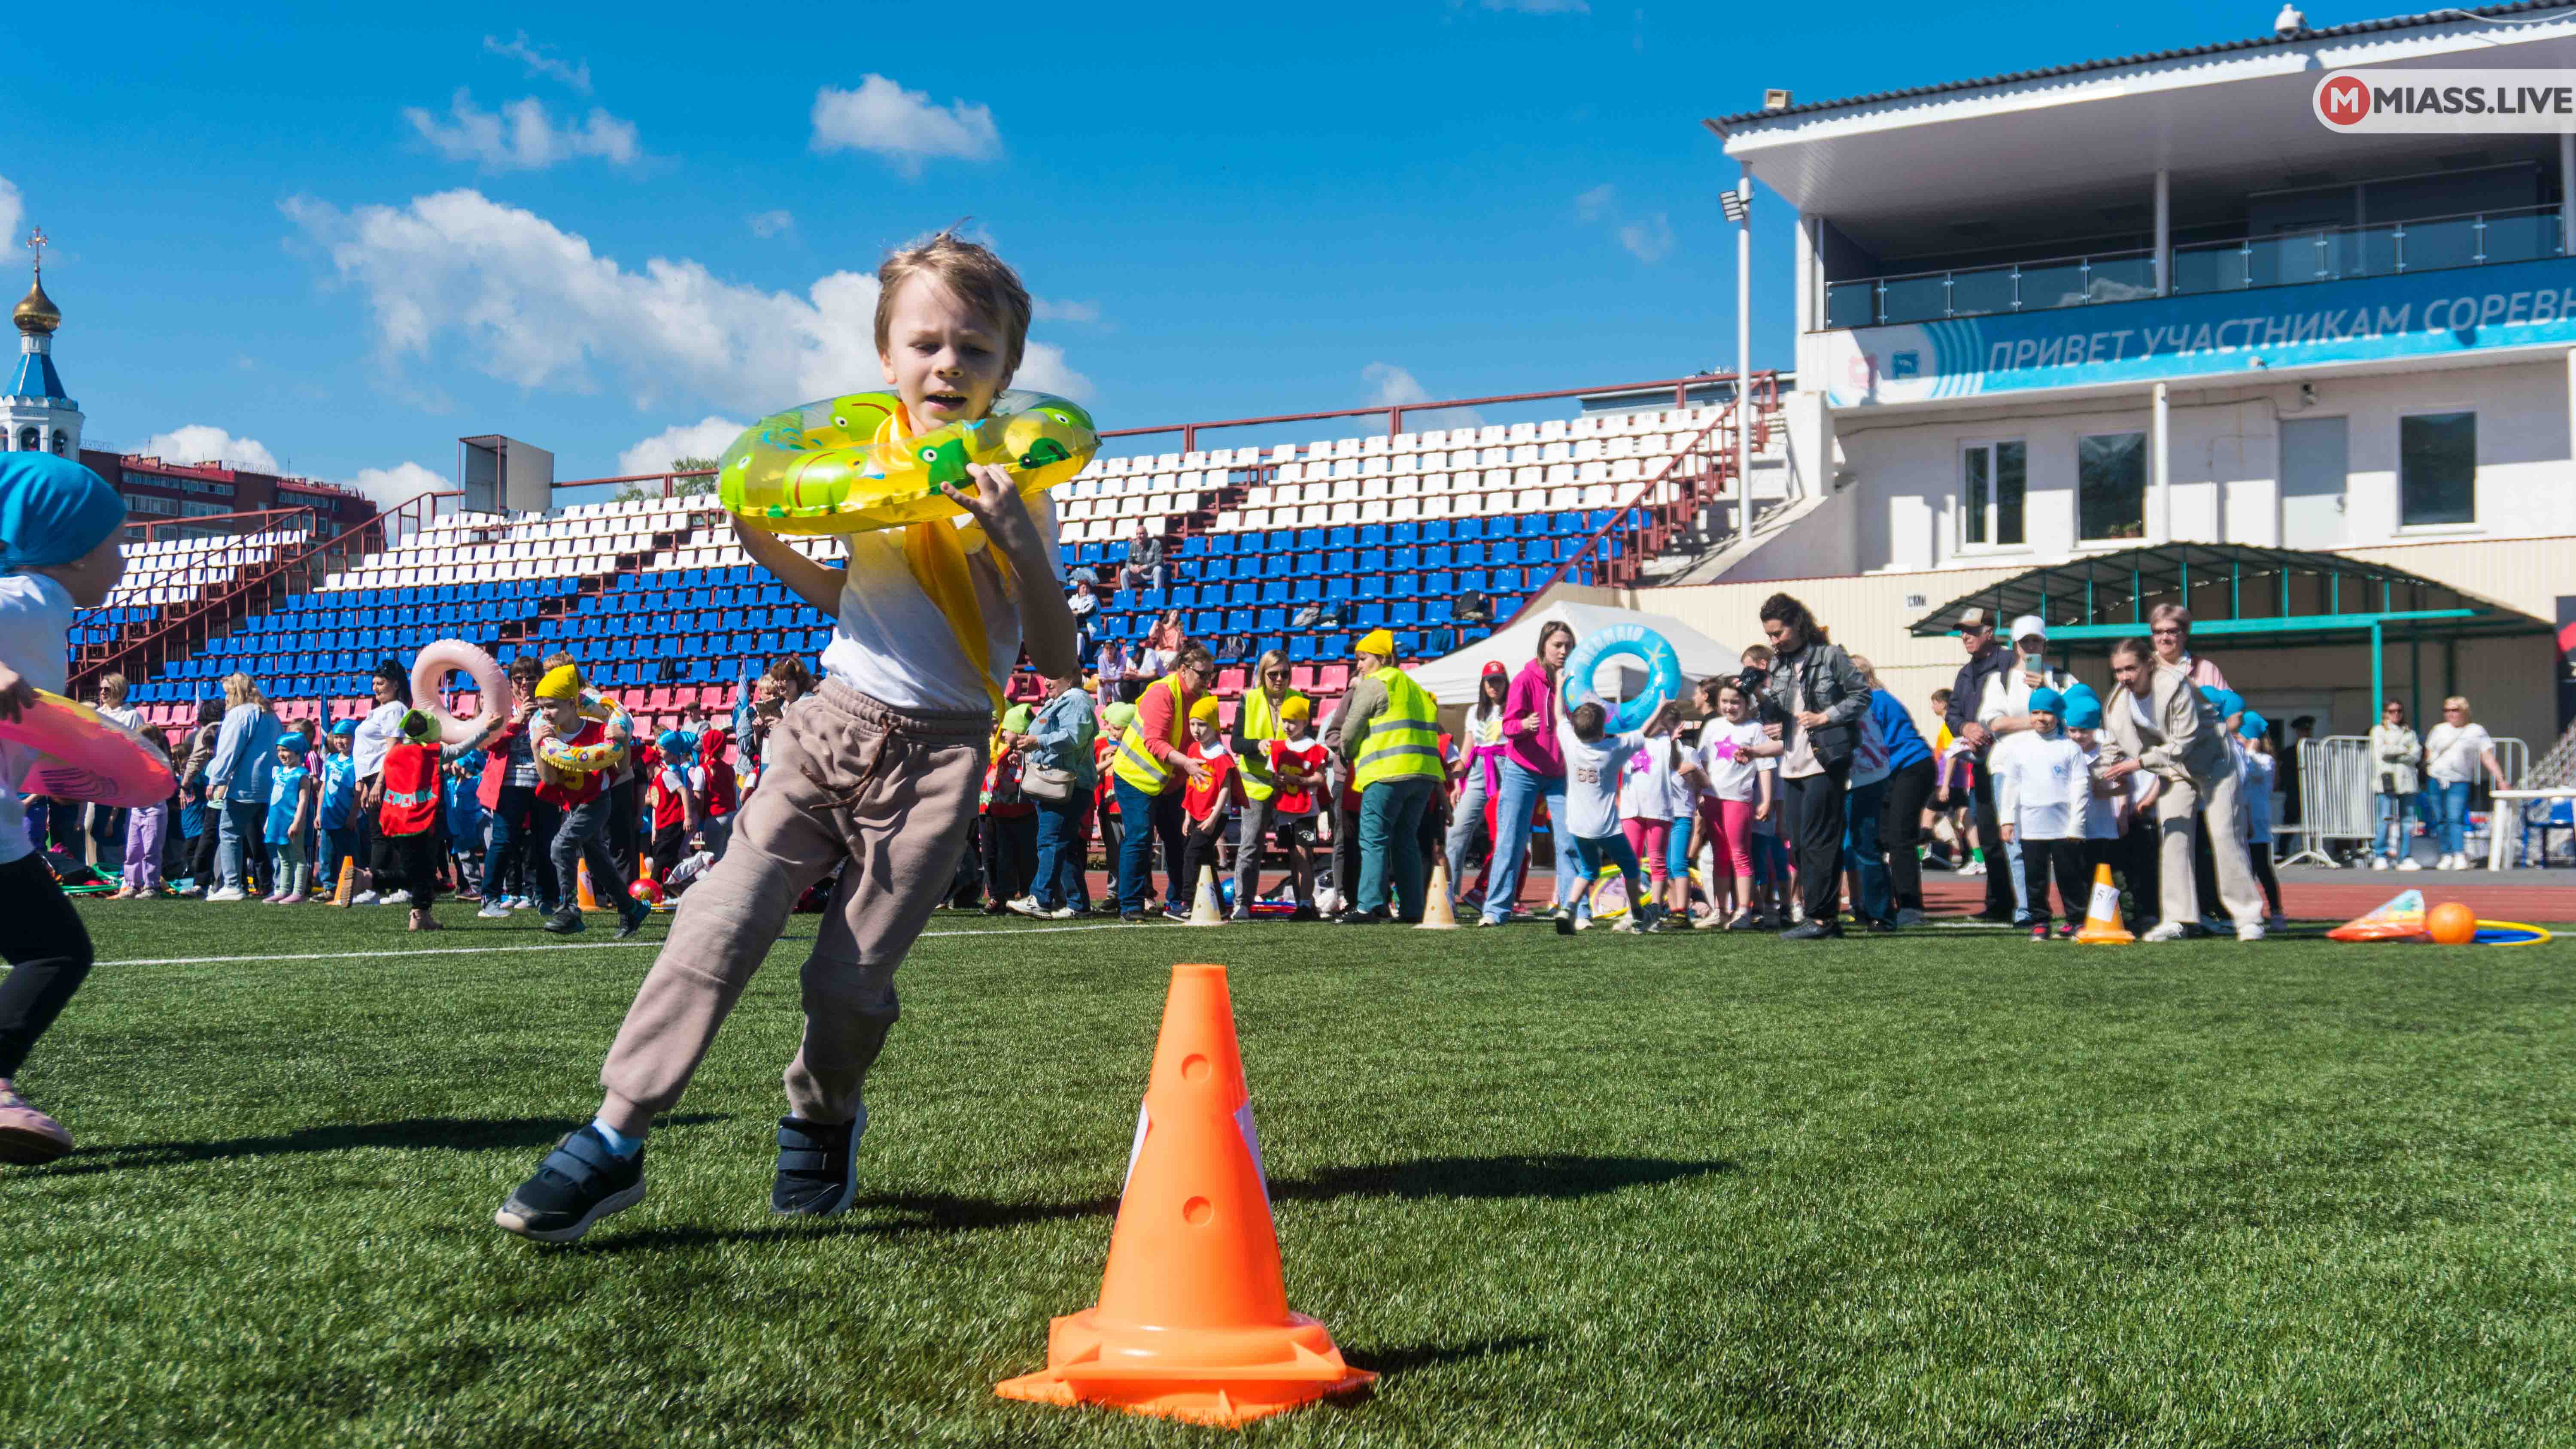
2325 254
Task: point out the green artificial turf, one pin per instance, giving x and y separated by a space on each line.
1941 1188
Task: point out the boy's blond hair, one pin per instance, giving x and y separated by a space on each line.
980 279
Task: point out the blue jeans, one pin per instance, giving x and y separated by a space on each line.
2446 807
1391 844
243 820
1862 851
1590 855
1141 819
2388 835
1059 881
1523 788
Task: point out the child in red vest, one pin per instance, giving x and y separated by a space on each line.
408 847
1298 760
1205 803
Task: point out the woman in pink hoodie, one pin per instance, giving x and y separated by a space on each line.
1533 768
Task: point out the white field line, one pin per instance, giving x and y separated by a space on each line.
531 950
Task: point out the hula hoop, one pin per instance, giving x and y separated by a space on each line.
2509 933
820 467
83 755
1636 641
429 670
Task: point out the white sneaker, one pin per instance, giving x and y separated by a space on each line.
1974 867
1026 906
363 898
228 893
1060 913
2410 863
1628 924
2250 931
2379 862
2164 931
1583 920
493 911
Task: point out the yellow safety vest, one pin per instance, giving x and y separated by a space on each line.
1403 741
1259 723
1136 764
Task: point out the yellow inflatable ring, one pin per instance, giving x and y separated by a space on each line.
823 467
429 675
83 755
590 759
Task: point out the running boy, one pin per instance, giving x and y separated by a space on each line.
59 526
582 796
874 774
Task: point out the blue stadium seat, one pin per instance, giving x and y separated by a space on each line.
1438 583
1306 590
1340 562
1342 536
1272 620
1274 591
1301 649
1310 540
1371 561
1373 534
1403 533
1403 560
1338 587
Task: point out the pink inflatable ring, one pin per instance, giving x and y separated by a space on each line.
429 673
83 755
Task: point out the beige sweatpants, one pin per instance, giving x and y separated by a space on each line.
2214 801
846 778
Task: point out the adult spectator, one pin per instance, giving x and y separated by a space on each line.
376 734
237 780
1388 735
2293 790
1475 773
193 794
1152 763
107 822
1986 659
2158 720
1255 724
1472 607
2169 629
1057 775
517 862
2395 756
2452 754
1145 565
1911 775
1533 769
1823 700
1086 607
1113 668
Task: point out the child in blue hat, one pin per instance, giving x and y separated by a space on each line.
60 525
293 795
2042 788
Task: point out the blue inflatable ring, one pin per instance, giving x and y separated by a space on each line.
1663 673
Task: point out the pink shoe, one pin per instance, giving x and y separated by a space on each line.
27 1135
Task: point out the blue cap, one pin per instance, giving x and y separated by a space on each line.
2047 699
2255 726
2225 701
344 727
294 740
2083 712
672 743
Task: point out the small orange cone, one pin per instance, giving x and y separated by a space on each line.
1436 913
589 902
1193 1321
348 878
2102 914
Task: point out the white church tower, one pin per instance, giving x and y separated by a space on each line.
34 413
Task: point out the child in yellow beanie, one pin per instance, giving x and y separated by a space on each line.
579 790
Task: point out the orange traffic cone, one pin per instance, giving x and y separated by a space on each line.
1193 1321
2102 914
1436 913
589 902
348 878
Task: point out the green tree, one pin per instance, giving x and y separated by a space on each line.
702 483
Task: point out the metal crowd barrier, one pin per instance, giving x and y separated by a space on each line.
2335 786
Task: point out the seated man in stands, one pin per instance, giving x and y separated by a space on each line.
1145 565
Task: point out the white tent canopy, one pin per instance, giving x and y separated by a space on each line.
1452 677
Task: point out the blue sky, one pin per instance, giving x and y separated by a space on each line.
347 243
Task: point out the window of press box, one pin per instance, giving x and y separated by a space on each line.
1993 480
2437 468
2111 486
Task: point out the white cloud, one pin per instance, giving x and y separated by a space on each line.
523 137
1394 385
1589 205
400 484
1046 311
770 223
707 438
536 307
13 210
901 125
205 443
1649 240
539 63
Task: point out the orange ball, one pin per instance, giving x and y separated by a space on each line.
2451 924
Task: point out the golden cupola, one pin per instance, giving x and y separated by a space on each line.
36 312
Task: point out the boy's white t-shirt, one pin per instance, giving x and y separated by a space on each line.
891 643
1646 783
2037 785
1732 775
1592 780
35 627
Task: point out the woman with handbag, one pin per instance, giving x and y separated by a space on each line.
1057 775
1818 699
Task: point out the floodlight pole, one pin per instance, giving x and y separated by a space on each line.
1744 352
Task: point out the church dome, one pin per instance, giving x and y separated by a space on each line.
36 312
